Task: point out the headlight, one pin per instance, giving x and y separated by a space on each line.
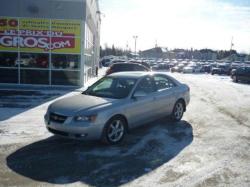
90 118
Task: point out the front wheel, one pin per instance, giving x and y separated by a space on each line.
178 111
114 131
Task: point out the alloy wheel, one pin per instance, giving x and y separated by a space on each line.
178 111
115 131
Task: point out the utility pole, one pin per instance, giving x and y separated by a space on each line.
232 44
135 38
231 48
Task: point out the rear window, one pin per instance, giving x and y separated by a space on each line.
140 68
120 67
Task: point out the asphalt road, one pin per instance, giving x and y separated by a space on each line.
210 147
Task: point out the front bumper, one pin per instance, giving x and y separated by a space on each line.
75 130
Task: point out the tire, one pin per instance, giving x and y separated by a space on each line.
114 131
178 111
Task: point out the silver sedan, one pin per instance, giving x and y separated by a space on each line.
117 103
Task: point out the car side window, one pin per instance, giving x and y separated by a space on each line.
146 86
163 82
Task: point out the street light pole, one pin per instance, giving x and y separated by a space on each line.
135 38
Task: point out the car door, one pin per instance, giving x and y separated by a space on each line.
141 110
247 74
241 74
165 98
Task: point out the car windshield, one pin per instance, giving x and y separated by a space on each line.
111 87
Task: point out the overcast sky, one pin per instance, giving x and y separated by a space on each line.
176 23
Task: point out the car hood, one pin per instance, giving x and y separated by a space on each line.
70 106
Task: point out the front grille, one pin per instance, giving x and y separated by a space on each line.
57 118
58 132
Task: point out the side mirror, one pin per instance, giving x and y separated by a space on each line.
139 94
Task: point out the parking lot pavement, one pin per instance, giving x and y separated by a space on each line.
210 147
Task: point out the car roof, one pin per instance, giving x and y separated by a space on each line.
135 74
130 74
126 64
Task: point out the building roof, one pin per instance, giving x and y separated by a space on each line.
155 50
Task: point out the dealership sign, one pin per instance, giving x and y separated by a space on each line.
40 35
37 42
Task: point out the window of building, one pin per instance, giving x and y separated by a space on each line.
33 60
47 50
8 59
65 61
8 75
30 76
71 78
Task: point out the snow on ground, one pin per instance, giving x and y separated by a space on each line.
21 114
210 147
20 122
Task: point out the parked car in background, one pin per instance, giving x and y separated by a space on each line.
114 61
221 69
177 68
117 103
118 67
163 66
216 70
241 74
206 68
155 67
235 65
188 69
146 64
105 61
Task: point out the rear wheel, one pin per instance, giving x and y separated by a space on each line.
114 131
178 111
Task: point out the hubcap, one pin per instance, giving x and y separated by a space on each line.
116 131
178 111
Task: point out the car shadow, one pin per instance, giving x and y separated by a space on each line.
63 161
14 102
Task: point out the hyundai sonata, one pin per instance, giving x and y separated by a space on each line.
117 103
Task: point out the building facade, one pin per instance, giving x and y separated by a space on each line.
157 52
49 42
